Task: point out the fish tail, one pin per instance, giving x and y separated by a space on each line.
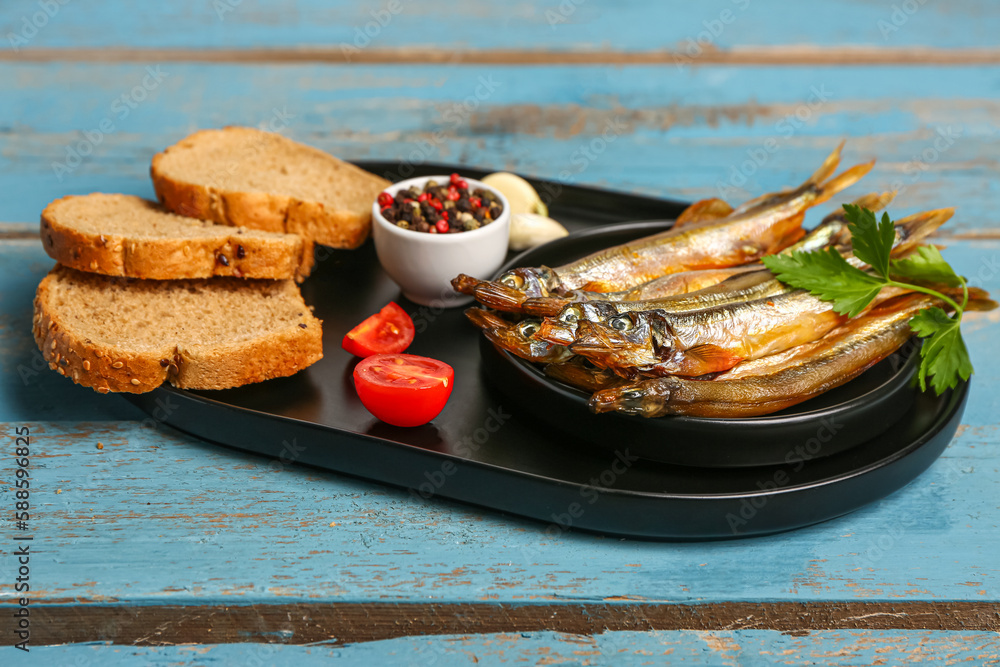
884 200
845 180
700 211
829 165
980 301
875 201
912 229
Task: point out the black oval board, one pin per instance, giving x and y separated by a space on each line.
485 450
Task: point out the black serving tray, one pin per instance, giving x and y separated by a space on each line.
486 450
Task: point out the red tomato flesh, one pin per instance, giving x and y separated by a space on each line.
403 389
388 331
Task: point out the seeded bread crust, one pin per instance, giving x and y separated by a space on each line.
196 256
117 368
269 211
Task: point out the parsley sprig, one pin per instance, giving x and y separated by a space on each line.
826 274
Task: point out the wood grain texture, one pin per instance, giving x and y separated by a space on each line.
570 25
339 624
155 517
689 134
690 648
791 56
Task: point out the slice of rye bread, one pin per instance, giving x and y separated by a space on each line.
123 235
131 335
262 180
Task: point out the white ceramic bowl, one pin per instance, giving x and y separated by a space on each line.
423 264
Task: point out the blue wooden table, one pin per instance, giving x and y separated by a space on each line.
152 547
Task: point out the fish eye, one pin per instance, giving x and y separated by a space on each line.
512 280
621 323
631 394
570 315
528 329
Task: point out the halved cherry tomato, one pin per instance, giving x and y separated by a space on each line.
403 389
387 331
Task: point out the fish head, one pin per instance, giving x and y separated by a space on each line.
562 328
642 399
556 331
518 338
625 340
514 287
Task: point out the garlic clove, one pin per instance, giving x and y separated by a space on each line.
528 230
521 197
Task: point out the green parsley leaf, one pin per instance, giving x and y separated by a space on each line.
926 265
872 241
827 275
943 355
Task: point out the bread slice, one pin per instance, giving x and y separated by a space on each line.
247 177
131 335
122 235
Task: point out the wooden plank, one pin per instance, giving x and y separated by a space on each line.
165 518
834 648
305 623
154 517
564 25
795 56
690 134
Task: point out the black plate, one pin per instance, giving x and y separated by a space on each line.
523 465
841 418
